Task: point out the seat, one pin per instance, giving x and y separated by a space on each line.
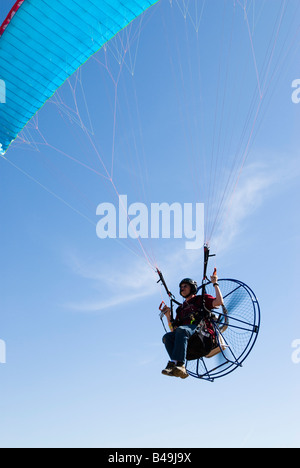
221 346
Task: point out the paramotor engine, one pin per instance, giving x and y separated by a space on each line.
237 327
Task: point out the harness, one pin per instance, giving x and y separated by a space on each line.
207 341
203 313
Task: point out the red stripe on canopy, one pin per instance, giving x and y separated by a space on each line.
10 15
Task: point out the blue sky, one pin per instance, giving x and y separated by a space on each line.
79 315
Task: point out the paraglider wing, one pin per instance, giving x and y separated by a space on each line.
43 43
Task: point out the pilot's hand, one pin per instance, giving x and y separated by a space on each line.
167 311
214 277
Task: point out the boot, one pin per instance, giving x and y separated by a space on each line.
169 369
180 370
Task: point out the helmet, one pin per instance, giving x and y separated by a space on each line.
192 283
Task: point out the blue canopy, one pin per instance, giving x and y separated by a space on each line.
43 43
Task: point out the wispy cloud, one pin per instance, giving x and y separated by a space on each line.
258 184
113 284
129 279
103 305
125 280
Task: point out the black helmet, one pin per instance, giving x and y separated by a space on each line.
192 283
